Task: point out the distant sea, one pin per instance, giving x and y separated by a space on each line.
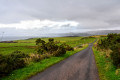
10 38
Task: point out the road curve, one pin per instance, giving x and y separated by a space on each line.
80 66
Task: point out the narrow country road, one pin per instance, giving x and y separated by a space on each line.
80 66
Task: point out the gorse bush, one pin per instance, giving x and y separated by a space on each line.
40 46
60 51
51 47
115 54
112 42
11 62
67 47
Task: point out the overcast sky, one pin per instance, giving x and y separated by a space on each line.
35 17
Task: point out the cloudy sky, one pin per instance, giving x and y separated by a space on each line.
38 17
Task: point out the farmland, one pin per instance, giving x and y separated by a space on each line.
29 47
26 45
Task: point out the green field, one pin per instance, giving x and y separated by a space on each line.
28 47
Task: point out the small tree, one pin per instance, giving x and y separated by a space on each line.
41 46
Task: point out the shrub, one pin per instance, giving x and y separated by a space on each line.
67 47
11 62
1 58
112 42
60 51
115 54
51 40
51 48
2 64
38 41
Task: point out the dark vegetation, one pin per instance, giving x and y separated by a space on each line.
18 59
112 42
11 62
51 47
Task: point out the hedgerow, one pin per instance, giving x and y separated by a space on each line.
112 42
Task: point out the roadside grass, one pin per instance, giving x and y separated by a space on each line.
36 67
107 71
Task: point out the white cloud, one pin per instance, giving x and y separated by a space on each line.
40 24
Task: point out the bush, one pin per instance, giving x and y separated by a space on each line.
11 62
115 54
51 40
2 64
60 51
67 47
1 58
52 48
112 42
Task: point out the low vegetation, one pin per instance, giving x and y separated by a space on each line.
11 62
107 54
107 71
112 42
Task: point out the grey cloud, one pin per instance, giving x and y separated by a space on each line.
91 14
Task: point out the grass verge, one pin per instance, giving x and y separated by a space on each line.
107 71
34 68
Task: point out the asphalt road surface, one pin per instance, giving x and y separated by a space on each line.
80 66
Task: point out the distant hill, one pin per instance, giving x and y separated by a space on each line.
74 34
90 33
103 32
